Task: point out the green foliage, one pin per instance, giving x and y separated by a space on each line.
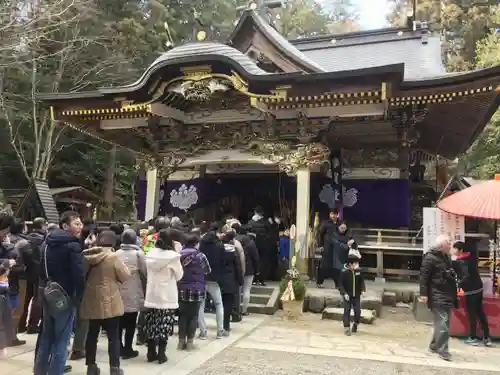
482 160
306 18
461 23
80 45
298 285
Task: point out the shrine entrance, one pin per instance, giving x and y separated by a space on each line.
228 182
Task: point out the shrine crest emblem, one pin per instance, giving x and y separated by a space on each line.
184 197
349 196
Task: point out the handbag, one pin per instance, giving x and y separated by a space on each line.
55 297
144 279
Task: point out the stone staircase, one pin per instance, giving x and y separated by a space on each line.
264 300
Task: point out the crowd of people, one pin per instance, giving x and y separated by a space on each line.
76 279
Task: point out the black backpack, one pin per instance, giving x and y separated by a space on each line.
55 297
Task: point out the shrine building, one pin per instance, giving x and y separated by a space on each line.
293 125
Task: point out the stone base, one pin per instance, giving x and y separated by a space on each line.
316 303
389 299
421 312
402 295
337 313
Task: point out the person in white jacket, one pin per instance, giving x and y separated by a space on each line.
164 270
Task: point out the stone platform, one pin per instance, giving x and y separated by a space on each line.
377 294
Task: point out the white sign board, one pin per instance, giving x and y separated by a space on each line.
437 222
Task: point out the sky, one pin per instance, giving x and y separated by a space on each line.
372 13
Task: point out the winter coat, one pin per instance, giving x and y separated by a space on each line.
133 290
9 252
232 277
195 266
263 236
351 282
104 272
36 240
327 230
164 271
64 263
251 255
213 248
467 271
24 249
6 327
241 254
340 250
437 280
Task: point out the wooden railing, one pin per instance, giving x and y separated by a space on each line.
403 246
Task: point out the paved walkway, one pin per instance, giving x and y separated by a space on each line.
368 345
272 346
20 360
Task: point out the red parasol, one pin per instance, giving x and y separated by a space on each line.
481 201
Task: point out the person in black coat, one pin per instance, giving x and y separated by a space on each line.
469 280
214 251
438 289
231 278
36 239
328 231
351 287
251 262
266 245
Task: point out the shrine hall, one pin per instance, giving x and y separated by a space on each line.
300 127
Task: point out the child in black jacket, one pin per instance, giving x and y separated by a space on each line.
352 285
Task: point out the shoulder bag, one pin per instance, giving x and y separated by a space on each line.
55 297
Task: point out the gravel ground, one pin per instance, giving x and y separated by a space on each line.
251 362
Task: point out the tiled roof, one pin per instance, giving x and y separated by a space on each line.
210 49
280 42
371 49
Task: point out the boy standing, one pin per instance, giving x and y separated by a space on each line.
351 286
469 280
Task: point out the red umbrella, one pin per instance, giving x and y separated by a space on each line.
480 201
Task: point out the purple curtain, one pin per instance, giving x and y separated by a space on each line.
377 203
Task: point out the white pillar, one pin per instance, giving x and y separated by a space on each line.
152 194
302 220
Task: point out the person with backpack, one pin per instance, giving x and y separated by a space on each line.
63 283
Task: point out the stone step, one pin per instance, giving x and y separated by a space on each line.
402 295
258 308
389 298
261 299
263 290
337 313
317 303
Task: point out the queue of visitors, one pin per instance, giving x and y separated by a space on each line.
78 279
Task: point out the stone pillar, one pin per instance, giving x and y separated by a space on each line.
152 194
302 220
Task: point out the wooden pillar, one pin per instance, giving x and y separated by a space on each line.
302 220
152 194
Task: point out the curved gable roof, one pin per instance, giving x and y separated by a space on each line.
277 40
195 52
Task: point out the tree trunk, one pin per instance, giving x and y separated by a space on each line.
109 187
